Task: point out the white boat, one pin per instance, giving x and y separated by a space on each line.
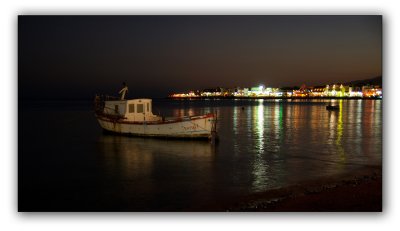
135 117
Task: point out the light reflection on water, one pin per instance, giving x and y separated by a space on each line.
136 157
263 144
158 173
260 166
290 142
340 133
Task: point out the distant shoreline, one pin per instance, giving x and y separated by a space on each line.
21 100
266 97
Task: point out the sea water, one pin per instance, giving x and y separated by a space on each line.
66 162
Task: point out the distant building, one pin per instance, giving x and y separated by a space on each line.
331 90
371 91
317 91
211 92
338 90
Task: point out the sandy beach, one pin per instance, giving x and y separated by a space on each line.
360 191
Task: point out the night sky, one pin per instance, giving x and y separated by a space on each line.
74 57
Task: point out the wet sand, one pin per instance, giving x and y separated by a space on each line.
360 191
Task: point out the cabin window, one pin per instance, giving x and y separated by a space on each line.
131 108
148 107
116 109
139 108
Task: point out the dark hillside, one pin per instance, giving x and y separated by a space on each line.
372 81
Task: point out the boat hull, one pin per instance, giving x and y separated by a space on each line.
189 127
332 108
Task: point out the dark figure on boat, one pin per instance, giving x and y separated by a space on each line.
123 91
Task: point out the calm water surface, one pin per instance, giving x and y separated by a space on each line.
66 163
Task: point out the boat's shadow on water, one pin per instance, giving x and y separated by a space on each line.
132 145
134 172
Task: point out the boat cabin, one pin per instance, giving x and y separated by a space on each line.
138 110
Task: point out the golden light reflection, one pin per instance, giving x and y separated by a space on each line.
183 112
351 104
295 122
278 123
332 124
339 135
236 126
372 114
377 131
134 157
359 116
235 119
128 158
378 115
